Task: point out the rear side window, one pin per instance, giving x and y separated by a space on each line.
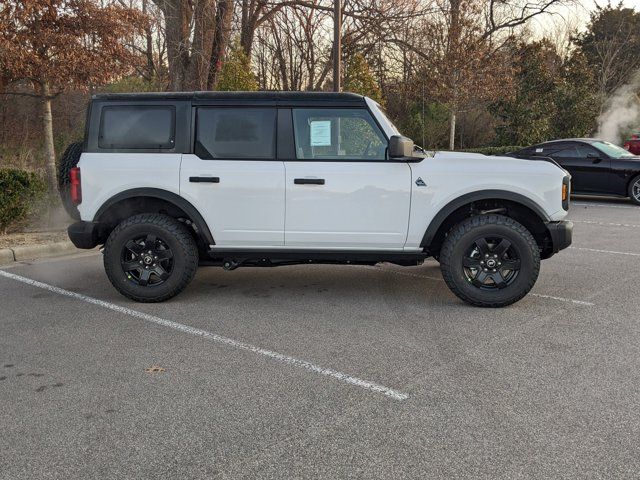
236 133
134 127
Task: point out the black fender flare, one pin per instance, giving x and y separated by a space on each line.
455 204
177 200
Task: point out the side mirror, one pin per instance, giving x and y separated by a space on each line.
594 157
400 147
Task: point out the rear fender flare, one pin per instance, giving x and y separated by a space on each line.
178 201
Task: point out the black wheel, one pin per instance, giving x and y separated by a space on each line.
150 257
634 190
490 261
69 159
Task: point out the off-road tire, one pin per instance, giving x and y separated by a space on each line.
463 236
632 186
69 159
177 238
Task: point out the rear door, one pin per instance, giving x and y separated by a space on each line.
233 176
341 191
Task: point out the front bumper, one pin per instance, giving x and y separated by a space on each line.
84 234
561 235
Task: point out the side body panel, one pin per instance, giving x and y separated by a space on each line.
104 175
622 172
450 175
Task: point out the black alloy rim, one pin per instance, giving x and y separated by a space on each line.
147 260
491 263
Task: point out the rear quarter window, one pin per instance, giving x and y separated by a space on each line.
134 127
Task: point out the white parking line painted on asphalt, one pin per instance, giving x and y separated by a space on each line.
605 251
603 205
560 299
343 377
604 224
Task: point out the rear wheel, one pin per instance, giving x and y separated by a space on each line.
490 261
634 190
150 257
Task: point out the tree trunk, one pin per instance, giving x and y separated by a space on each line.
452 129
150 71
453 56
177 17
204 31
224 17
49 148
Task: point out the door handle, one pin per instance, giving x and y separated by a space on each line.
204 179
308 181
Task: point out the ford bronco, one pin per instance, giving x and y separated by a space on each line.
170 181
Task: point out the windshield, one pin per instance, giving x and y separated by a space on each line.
612 150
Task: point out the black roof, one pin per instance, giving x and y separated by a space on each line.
270 97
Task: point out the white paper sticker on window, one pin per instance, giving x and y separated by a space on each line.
321 133
539 150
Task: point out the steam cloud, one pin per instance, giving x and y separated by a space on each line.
622 112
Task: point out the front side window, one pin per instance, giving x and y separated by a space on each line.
566 151
236 133
337 134
133 127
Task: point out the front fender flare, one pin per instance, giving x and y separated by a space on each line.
468 198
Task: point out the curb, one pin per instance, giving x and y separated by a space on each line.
32 252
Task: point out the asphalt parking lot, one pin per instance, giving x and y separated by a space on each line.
328 371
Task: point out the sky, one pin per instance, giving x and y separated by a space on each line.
576 16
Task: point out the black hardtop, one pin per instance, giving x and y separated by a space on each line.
242 98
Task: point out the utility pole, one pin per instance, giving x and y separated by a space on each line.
337 45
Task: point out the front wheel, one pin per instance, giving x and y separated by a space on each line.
490 261
634 190
150 257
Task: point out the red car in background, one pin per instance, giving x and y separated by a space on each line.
633 144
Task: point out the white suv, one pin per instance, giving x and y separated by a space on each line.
170 181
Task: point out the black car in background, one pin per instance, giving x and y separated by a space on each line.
596 167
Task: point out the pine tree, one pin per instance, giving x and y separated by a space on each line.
360 79
236 74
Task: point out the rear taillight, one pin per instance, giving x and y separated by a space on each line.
75 190
566 192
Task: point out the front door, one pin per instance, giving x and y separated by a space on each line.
341 191
233 177
590 169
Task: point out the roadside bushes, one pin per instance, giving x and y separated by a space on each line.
493 150
22 194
